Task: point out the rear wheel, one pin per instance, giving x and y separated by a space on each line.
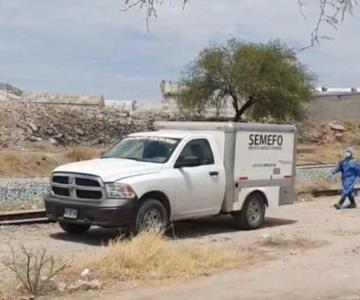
252 214
151 216
73 228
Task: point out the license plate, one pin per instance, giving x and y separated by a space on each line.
70 213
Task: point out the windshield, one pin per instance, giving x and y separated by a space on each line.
150 149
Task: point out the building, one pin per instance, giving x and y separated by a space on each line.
335 104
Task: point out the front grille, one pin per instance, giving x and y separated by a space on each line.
77 186
61 179
61 191
88 194
86 182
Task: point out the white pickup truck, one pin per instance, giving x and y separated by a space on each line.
183 170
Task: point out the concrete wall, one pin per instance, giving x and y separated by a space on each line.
329 107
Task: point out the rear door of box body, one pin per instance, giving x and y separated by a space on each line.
265 159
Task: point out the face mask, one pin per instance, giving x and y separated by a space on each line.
347 155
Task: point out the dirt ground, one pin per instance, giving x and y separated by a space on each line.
328 271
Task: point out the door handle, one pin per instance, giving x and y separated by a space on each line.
214 173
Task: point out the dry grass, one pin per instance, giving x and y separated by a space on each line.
25 164
284 242
41 160
151 257
345 232
318 138
6 206
7 289
79 153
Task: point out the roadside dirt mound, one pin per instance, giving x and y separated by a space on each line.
67 125
325 142
347 133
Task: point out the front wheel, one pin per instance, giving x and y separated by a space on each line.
151 216
73 228
252 214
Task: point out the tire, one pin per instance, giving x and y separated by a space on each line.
151 216
72 228
252 214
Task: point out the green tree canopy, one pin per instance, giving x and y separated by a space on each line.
262 80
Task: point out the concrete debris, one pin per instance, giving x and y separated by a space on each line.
69 125
52 141
330 133
85 273
336 126
61 287
33 127
29 297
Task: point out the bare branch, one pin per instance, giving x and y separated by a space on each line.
332 12
29 268
301 8
149 6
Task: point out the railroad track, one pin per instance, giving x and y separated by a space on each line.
29 217
315 166
25 217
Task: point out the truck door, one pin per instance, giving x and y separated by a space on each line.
200 188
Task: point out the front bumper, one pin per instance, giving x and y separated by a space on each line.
107 213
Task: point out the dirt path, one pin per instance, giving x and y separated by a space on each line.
331 271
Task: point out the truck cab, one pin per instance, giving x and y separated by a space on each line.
183 170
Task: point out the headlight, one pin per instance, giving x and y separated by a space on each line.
119 190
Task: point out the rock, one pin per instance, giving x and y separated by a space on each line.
52 141
28 297
33 127
35 139
339 136
82 285
69 125
61 286
336 126
265 236
79 131
85 273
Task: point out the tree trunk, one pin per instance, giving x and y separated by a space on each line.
239 112
235 105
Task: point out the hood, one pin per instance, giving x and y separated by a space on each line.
110 169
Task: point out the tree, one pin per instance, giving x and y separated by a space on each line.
261 80
332 12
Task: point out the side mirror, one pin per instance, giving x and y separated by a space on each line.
187 161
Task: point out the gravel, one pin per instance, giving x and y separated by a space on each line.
31 189
308 172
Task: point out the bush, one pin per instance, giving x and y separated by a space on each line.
34 270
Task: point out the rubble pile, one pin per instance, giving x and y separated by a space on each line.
68 125
346 133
